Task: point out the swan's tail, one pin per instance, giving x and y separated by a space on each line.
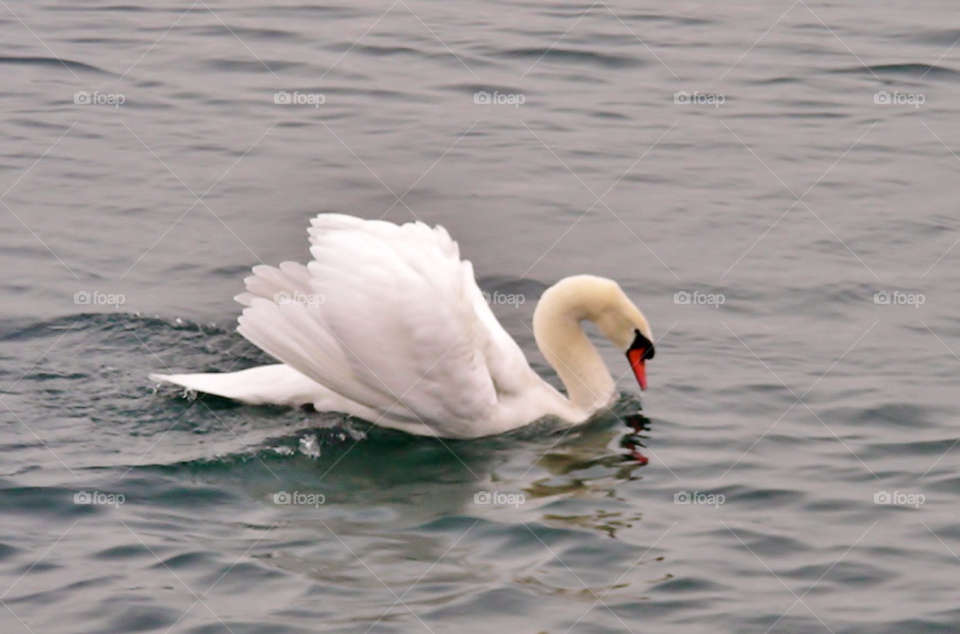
277 384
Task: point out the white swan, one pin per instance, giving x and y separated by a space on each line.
387 324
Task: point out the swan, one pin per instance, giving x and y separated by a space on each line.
387 324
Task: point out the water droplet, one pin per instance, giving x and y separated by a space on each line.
310 446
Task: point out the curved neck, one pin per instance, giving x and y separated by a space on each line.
561 340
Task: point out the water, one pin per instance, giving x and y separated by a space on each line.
798 399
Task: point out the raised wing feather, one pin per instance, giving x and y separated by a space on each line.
393 323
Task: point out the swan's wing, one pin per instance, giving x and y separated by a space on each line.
386 316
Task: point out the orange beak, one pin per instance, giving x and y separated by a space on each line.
638 365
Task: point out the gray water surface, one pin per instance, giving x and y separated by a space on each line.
795 159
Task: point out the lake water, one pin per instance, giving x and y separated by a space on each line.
775 185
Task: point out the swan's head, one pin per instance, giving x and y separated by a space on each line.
622 323
603 302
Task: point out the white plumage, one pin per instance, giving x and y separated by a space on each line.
387 323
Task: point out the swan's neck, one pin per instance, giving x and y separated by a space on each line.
560 337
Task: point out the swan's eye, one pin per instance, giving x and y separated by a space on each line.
644 344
